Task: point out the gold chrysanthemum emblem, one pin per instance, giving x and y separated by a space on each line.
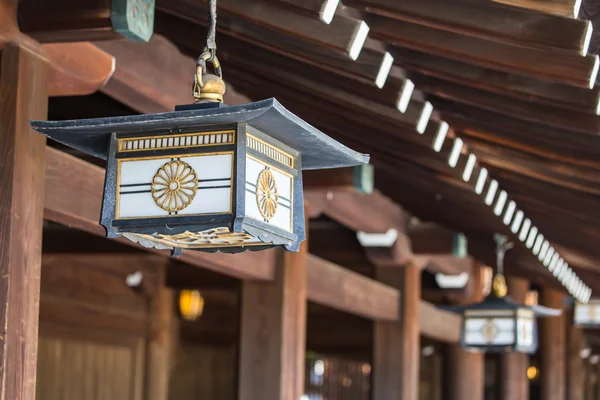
267 196
174 186
489 331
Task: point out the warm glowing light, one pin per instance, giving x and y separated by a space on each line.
532 372
191 304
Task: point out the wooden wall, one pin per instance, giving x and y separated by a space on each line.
93 327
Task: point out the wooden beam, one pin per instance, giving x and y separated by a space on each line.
23 90
573 69
396 345
564 8
273 332
514 384
77 68
439 325
489 21
344 35
512 85
357 294
358 179
154 77
74 191
372 213
552 348
322 9
76 21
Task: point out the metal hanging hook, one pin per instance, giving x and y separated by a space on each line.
499 284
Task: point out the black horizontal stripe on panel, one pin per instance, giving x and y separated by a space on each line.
253 185
137 191
284 206
214 180
135 184
250 183
214 187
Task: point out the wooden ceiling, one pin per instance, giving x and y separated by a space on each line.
436 91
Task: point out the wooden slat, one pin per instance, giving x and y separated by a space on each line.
74 191
159 348
575 364
344 35
357 294
23 90
489 21
555 66
565 8
273 332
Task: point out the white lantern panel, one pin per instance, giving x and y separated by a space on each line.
489 331
163 187
268 194
525 331
587 313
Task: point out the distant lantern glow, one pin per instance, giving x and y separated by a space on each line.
532 372
191 304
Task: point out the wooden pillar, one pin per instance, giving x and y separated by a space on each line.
514 384
160 341
575 366
23 96
396 347
273 332
552 349
465 371
437 381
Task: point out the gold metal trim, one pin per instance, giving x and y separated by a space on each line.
174 186
211 238
277 150
118 188
267 196
168 136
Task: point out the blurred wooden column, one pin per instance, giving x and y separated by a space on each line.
514 384
465 371
552 348
396 347
575 366
273 332
23 96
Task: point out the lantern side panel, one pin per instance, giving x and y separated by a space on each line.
489 332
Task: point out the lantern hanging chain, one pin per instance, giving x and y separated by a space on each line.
209 54
499 284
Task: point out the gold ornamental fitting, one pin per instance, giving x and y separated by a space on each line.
499 286
212 89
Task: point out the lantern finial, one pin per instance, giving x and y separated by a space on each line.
207 87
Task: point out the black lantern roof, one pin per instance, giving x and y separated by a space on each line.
92 136
494 303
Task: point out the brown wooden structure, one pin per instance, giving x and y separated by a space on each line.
481 117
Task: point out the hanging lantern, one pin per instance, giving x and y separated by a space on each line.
206 176
498 323
587 315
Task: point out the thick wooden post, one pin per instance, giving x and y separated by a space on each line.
514 384
552 349
396 347
273 332
575 366
465 370
23 96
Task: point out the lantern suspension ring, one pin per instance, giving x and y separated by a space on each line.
207 87
502 246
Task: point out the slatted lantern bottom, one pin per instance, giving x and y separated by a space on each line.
206 176
499 324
